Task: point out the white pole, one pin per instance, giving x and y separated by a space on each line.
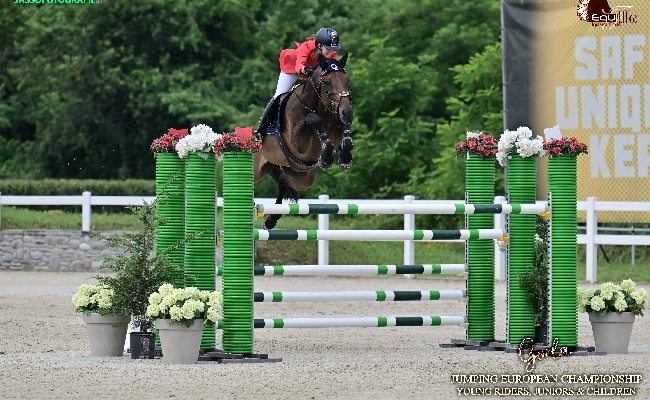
323 224
409 245
592 247
499 256
85 212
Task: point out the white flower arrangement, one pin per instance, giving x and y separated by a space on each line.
612 298
93 299
201 140
519 142
184 305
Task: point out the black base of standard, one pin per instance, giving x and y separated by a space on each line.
143 345
501 345
227 358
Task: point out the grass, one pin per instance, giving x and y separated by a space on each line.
341 252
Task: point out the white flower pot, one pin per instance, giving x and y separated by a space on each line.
612 331
106 340
180 344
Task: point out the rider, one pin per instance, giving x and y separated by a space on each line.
301 61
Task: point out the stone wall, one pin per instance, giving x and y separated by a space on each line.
52 250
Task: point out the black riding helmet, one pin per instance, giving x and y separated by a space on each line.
328 38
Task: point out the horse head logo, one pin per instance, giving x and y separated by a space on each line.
587 9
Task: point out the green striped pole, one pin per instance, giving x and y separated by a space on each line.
521 249
400 208
452 234
237 279
358 322
479 186
200 216
398 269
172 209
388 295
563 255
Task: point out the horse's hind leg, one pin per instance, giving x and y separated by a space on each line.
284 191
345 159
326 158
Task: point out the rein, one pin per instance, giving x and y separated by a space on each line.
331 105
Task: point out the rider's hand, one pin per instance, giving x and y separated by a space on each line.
308 70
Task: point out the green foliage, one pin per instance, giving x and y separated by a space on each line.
535 279
139 271
63 187
86 89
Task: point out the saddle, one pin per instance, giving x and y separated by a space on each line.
274 128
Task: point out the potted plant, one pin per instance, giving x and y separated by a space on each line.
138 272
180 316
612 310
535 282
105 327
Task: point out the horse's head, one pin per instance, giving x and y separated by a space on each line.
334 87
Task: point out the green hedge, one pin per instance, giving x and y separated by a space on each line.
69 187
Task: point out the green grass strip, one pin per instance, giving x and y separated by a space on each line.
294 208
381 296
382 270
382 321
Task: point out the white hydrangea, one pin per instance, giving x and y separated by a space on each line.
200 140
213 314
165 289
153 310
519 142
176 313
607 290
597 303
184 304
91 298
639 296
628 285
619 302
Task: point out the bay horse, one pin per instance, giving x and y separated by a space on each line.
316 121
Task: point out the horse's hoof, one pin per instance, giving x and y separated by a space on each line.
325 166
269 223
345 166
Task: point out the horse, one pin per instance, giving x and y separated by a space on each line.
316 121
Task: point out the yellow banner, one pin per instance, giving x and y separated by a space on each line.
592 78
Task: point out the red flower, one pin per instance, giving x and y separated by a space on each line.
572 147
557 150
472 145
480 148
548 152
486 153
560 142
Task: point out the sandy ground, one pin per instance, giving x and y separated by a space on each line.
44 352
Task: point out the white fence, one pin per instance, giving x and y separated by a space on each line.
592 239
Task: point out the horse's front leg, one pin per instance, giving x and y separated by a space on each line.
326 158
345 159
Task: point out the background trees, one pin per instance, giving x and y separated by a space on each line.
84 89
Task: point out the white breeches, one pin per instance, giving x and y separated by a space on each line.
285 81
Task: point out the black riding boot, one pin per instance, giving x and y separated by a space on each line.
263 122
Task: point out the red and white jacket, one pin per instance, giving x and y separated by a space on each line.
305 55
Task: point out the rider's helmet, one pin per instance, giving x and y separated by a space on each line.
328 38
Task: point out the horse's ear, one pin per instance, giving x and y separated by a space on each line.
322 62
343 60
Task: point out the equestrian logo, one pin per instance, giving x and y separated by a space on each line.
599 13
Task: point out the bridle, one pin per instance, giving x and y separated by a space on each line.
332 107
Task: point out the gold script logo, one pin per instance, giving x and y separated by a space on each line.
534 356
